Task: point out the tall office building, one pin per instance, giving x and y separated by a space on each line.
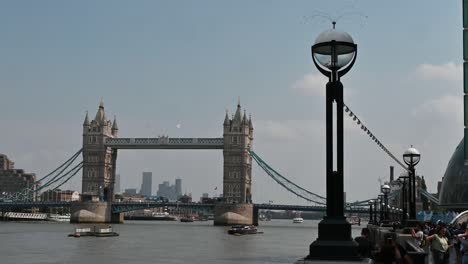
146 184
117 184
178 187
171 192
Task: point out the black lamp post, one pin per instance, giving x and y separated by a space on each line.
385 189
371 203
411 158
404 199
381 205
334 54
375 211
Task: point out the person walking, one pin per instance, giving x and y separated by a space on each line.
463 239
418 234
365 246
440 246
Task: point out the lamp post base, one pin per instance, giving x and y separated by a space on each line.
334 241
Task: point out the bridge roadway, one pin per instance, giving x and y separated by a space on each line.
165 143
121 207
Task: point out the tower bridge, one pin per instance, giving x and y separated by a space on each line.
101 144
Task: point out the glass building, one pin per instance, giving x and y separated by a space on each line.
454 190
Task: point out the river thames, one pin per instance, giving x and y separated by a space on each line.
157 242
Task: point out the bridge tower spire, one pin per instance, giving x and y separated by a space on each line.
98 159
237 175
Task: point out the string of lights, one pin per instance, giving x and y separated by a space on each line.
372 135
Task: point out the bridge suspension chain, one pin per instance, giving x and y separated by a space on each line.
60 178
287 184
72 171
372 136
69 161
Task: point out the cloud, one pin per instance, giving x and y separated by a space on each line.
447 72
446 107
310 85
289 129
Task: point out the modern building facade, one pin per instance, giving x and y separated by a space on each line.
5 163
146 184
454 190
15 180
171 192
130 191
60 196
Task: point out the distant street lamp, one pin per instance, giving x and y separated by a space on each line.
381 205
334 54
385 189
371 203
404 198
375 211
412 157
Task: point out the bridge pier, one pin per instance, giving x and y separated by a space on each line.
94 212
234 214
255 216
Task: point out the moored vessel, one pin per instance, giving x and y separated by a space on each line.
243 230
58 217
298 220
186 219
154 216
97 231
354 220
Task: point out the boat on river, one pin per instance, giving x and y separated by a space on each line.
187 219
154 216
243 230
354 220
97 231
58 217
298 220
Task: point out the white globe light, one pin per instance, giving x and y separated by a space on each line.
411 156
332 42
385 189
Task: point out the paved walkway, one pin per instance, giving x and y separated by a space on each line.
453 257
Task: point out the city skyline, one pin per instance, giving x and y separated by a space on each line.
137 58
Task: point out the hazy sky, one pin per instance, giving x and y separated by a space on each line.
157 64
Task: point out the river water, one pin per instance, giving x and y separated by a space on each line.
157 242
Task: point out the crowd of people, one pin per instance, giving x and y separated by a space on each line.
438 240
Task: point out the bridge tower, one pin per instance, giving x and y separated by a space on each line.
237 175
98 169
237 171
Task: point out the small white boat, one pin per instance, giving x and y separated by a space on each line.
298 220
59 218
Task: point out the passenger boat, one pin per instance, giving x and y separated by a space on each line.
243 230
58 218
354 220
298 220
186 219
97 231
154 216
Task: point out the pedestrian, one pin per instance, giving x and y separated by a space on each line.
391 252
418 234
365 246
463 239
440 246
